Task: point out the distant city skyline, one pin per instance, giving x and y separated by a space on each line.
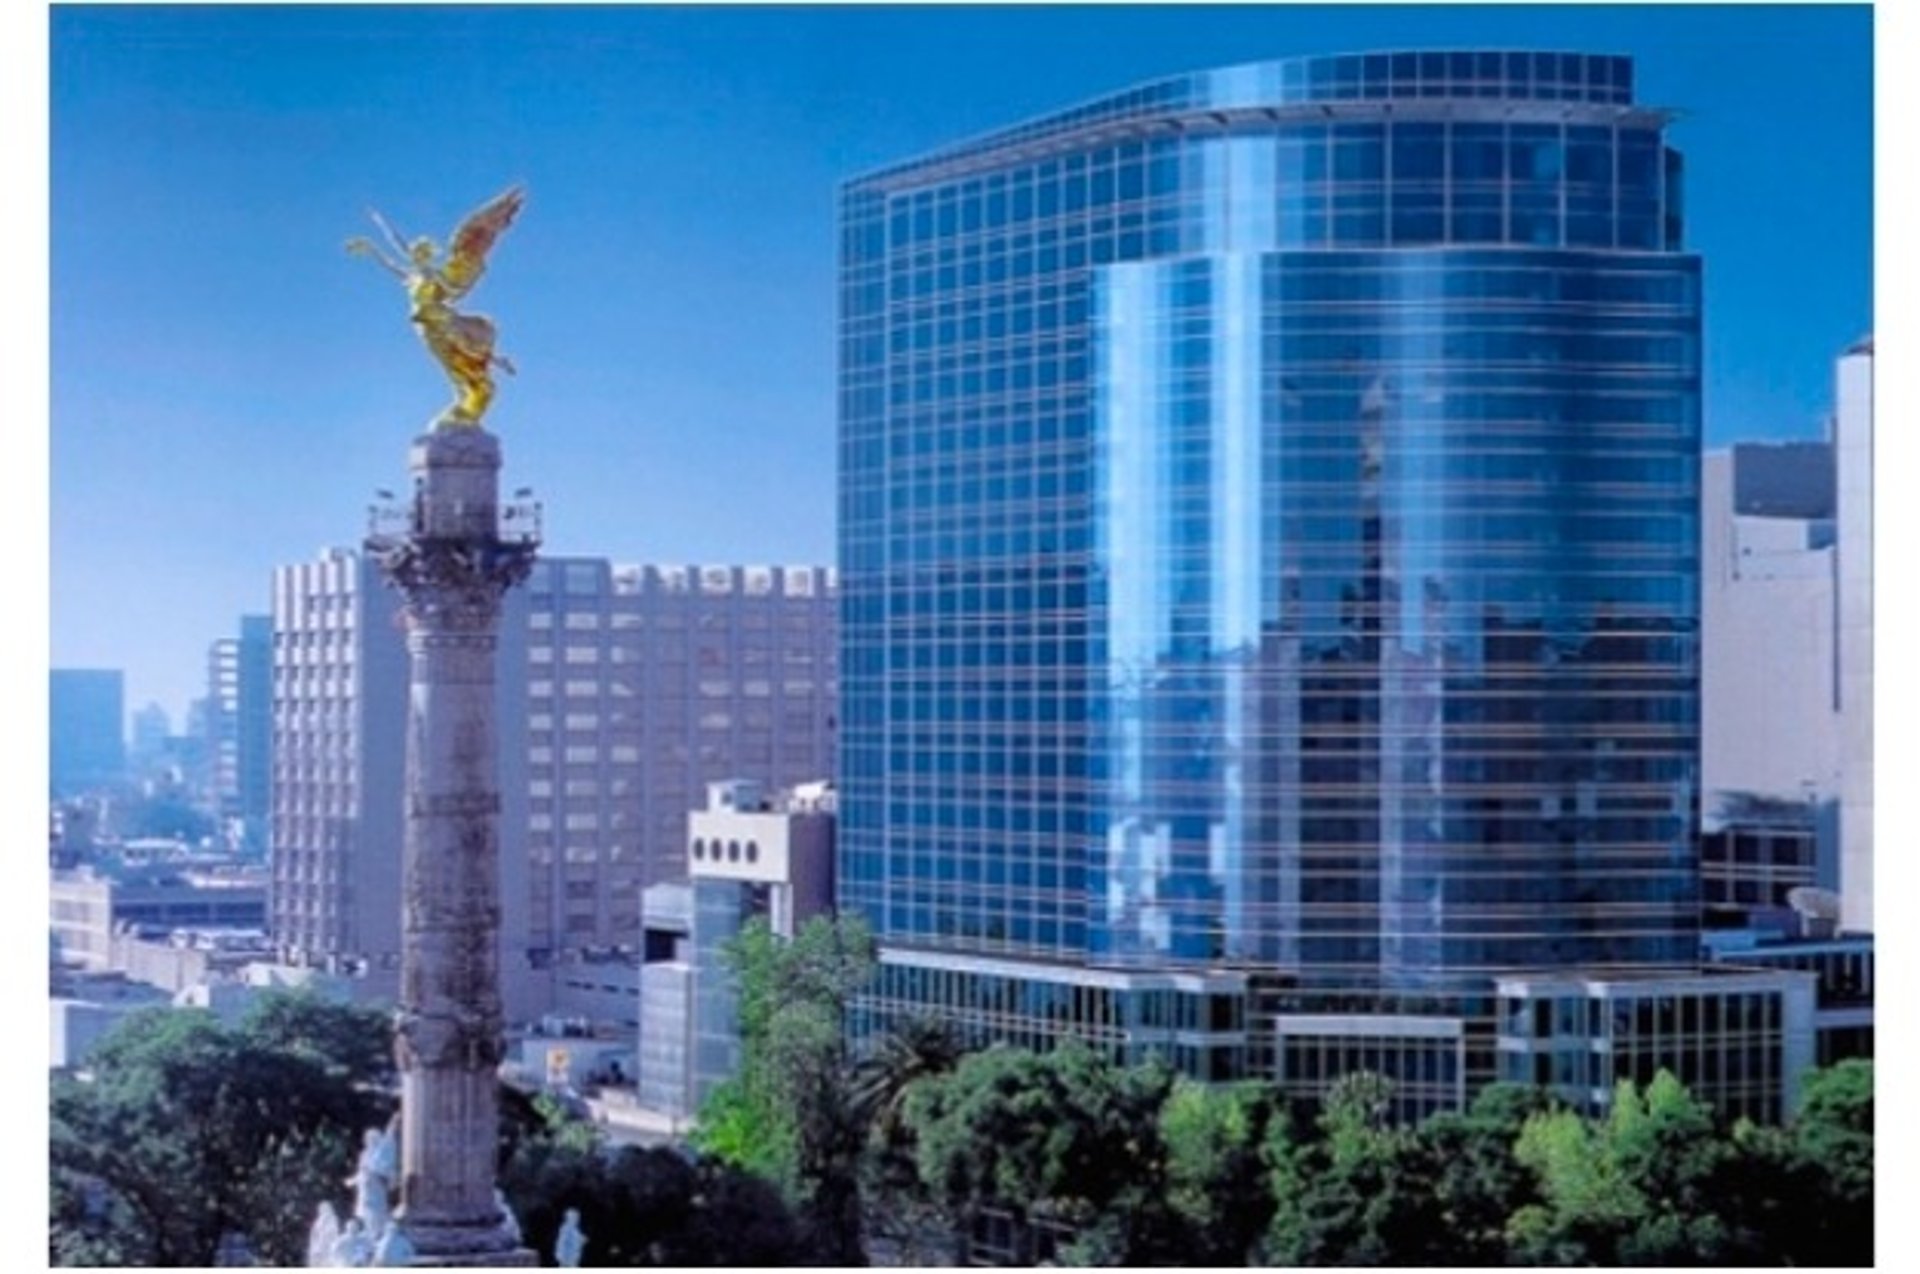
228 388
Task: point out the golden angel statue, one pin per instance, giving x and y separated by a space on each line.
463 343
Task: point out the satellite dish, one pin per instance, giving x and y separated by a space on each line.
1815 903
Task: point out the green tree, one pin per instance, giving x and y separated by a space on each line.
1350 1196
914 1050
789 1112
349 1042
184 1131
1056 1141
1804 1193
1644 1186
1466 1163
900 1213
1833 1138
1218 1144
649 1207
742 1124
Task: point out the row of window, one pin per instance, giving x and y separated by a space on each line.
592 579
1283 155
732 851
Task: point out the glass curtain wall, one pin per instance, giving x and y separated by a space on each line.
1268 528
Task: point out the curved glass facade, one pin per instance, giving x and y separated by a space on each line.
1268 529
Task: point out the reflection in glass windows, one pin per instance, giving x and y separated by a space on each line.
1269 540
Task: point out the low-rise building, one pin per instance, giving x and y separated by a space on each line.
1755 851
91 908
1842 968
749 855
666 1000
1741 1039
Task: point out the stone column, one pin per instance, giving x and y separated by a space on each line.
453 569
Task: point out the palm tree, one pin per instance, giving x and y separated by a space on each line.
905 1225
916 1049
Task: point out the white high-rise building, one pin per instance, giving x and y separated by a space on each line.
1770 724
1853 453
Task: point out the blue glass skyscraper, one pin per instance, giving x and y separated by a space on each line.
1269 546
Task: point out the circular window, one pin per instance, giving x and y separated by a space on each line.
753 851
733 851
699 849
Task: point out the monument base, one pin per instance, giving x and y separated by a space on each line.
468 1246
513 1258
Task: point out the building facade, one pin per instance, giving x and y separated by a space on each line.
1270 552
239 725
665 1080
644 684
89 910
1754 853
1771 720
339 761
1853 455
86 713
749 854
1842 968
1738 1038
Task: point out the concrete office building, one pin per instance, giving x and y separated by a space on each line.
645 683
222 743
1853 455
86 715
1270 546
1787 622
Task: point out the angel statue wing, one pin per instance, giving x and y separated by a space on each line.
467 255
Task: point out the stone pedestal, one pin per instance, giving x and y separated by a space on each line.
453 569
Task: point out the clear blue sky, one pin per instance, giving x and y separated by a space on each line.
228 388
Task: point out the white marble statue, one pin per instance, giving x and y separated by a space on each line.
394 1247
320 1239
372 1180
511 1221
570 1242
353 1248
